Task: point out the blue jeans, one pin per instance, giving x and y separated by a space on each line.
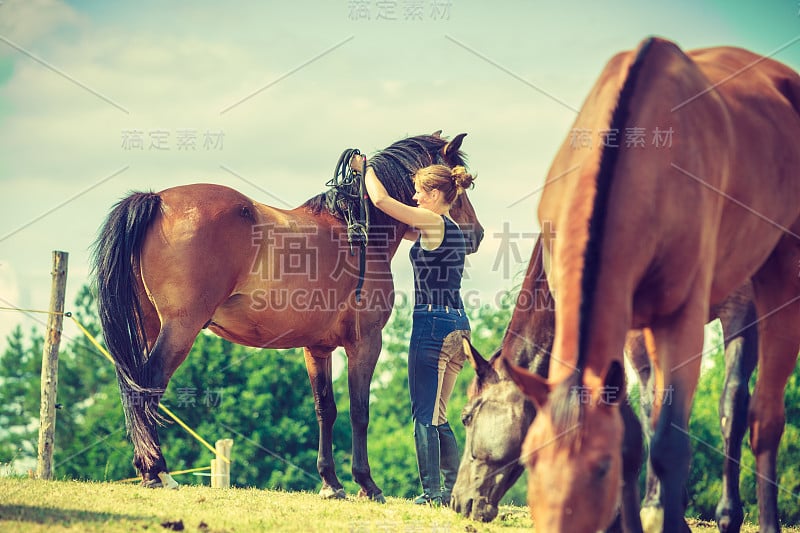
435 357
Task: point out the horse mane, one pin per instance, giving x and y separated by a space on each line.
566 410
395 166
566 400
605 175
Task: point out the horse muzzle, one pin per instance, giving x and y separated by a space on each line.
474 236
479 508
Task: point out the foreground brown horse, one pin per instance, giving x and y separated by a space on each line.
169 264
497 415
650 237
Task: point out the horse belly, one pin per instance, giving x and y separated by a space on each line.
275 319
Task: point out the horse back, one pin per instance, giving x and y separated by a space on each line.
201 234
255 274
762 97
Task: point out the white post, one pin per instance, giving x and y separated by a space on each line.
221 468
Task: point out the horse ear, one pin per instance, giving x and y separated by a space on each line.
437 134
483 370
613 390
450 150
533 386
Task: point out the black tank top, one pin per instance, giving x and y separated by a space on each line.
437 273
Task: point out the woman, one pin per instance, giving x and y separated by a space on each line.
436 352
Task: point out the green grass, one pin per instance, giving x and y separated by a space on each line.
31 505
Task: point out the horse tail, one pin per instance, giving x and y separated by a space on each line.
115 258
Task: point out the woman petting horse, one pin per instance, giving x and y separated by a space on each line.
440 324
650 237
200 256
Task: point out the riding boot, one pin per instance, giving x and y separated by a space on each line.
449 460
426 439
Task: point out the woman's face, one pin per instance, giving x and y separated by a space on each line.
426 199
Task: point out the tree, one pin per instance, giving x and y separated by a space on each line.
20 371
704 485
90 428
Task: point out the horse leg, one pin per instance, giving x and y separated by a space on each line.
636 351
631 466
778 339
361 360
766 417
318 364
140 404
169 350
741 354
675 343
627 519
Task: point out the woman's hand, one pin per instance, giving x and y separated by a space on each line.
357 163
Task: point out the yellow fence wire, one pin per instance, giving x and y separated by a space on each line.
107 355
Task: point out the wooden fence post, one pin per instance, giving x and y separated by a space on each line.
220 468
49 384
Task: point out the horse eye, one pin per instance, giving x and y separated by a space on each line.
602 468
466 414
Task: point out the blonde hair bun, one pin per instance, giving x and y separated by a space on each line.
450 181
462 179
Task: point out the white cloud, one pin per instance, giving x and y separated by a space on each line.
24 22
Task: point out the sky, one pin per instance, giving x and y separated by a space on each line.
101 98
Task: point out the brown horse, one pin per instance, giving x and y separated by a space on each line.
200 256
497 415
651 237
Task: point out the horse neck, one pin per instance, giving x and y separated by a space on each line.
394 236
529 337
594 297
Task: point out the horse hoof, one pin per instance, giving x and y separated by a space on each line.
167 482
376 497
729 524
151 484
652 519
729 519
329 493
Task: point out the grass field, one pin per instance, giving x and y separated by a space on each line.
31 505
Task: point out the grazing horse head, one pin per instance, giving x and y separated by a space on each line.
497 415
496 419
572 450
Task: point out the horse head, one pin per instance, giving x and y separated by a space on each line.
573 449
496 419
462 210
396 165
